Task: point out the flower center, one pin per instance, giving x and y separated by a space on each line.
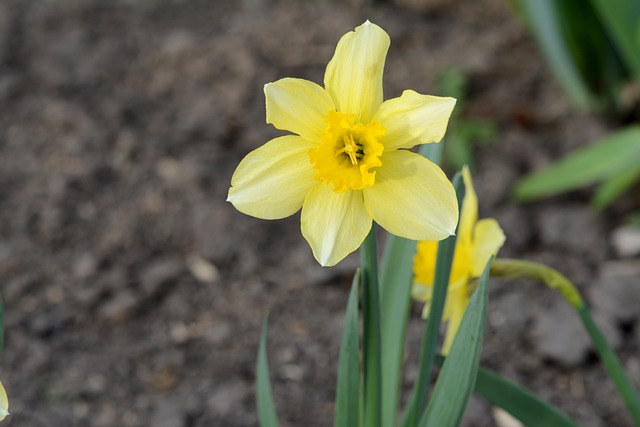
348 153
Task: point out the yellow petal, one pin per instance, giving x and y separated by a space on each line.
424 264
414 119
423 293
412 198
4 403
298 106
272 181
334 224
354 74
469 211
457 301
488 239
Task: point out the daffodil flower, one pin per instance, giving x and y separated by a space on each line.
4 403
347 163
477 241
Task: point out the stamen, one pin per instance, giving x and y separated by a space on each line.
351 149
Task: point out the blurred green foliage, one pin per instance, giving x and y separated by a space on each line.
593 47
462 133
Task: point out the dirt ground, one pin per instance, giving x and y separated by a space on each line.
134 294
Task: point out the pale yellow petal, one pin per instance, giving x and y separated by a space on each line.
414 119
334 224
4 403
457 299
298 106
412 198
488 239
469 211
354 74
421 292
272 181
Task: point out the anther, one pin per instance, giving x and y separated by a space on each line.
351 149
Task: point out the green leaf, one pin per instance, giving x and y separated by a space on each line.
371 341
622 19
444 260
613 188
453 83
459 141
612 365
396 278
458 375
266 408
544 20
348 387
432 152
602 160
458 150
523 405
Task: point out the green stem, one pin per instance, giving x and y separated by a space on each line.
515 269
372 363
612 365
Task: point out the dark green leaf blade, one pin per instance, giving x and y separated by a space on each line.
458 375
544 20
622 18
348 387
523 405
266 408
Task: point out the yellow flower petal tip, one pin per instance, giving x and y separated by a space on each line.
4 403
346 163
476 243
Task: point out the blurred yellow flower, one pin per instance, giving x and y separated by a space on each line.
4 403
477 241
348 162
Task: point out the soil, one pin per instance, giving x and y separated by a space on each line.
134 294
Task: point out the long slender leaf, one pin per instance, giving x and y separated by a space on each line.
266 408
348 387
396 277
612 365
602 160
371 342
613 188
444 260
523 405
622 19
545 23
457 378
